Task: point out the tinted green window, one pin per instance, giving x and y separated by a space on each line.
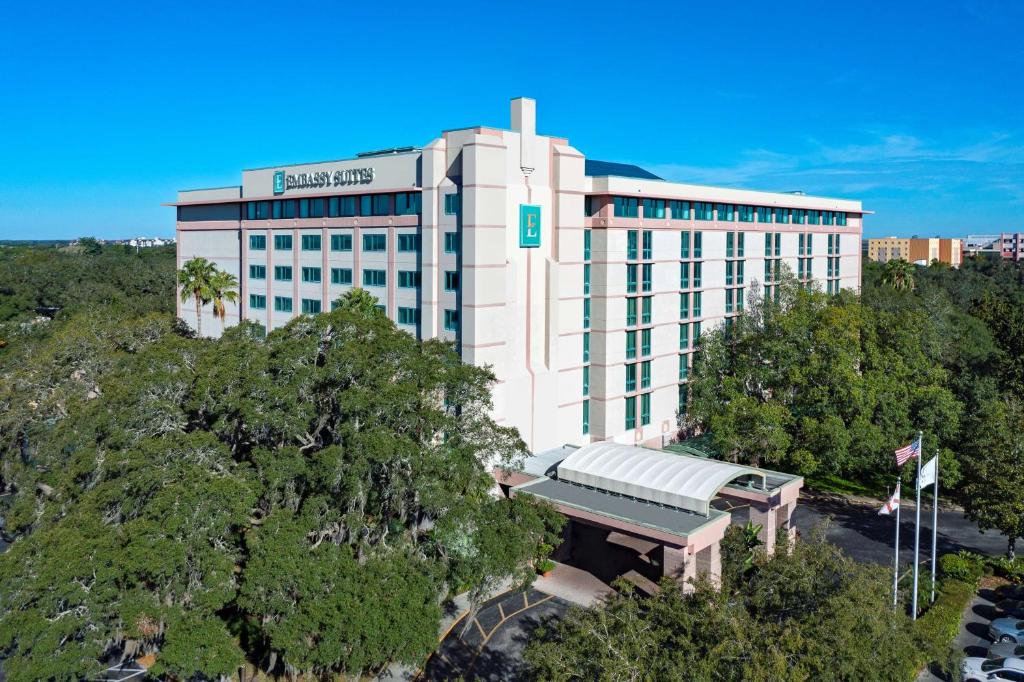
451 242
645 409
740 240
586 279
698 275
408 242
586 417
645 342
764 214
632 244
684 336
746 214
381 204
684 275
310 306
375 242
630 312
332 207
782 216
684 367
451 281
730 244
739 272
451 320
645 309
283 273
408 279
684 306
586 380
698 244
728 273
841 218
626 207
316 208
648 244
451 204
645 374
282 242
631 412
684 245
630 345
289 208
680 210
799 216
348 206
310 242
647 276
654 208
407 203
408 315
726 212
703 210
586 346
375 278
311 275
696 303
813 217
630 378
303 208
341 242
631 271
586 313
341 275
257 272
257 301
258 242
586 244
282 304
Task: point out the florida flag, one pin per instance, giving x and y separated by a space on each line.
893 504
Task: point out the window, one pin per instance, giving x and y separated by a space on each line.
764 214
654 208
341 275
828 217
778 244
813 217
684 336
648 244
625 207
311 275
408 279
696 304
684 306
682 398
730 241
746 214
451 320
631 412
630 345
767 244
684 245
739 272
588 206
810 244
684 275
408 242
696 333
726 212
630 279
740 244
348 206
289 208
768 271
698 244
310 306
257 242
841 218
630 377
586 313
632 244
341 242
680 210
303 208
257 301
282 304
645 409
729 272
257 272
381 204
799 216
586 244
645 374
645 342
645 309
782 215
375 242
586 346
282 242
451 242
451 280
645 283
283 273
586 380
703 210
451 204
728 300
408 316
698 270
586 417
407 203
630 312
375 278
586 279
258 210
684 367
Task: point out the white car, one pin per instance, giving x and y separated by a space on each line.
992 670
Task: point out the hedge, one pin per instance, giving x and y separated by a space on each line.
937 627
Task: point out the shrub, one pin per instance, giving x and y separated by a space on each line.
963 566
1011 570
940 624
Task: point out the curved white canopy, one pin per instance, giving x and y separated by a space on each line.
666 478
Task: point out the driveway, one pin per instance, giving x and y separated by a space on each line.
973 637
490 645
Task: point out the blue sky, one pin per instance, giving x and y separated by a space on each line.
917 108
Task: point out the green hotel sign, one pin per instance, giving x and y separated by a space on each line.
529 226
279 182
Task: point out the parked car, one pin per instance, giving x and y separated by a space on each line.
992 670
1005 650
1010 608
1006 630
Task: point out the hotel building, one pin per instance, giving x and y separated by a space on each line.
584 284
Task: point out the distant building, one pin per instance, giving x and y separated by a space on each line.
914 250
1011 245
1008 245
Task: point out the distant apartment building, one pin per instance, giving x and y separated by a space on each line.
584 284
1007 245
915 250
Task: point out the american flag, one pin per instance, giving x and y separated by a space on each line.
908 452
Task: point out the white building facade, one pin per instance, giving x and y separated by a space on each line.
583 284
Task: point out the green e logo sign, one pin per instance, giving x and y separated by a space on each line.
278 182
529 226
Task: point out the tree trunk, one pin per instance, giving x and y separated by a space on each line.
199 315
1011 548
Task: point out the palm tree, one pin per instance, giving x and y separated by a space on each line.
223 287
195 277
899 274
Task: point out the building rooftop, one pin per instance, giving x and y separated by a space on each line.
596 168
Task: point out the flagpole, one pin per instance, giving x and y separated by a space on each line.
917 530
935 521
896 562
